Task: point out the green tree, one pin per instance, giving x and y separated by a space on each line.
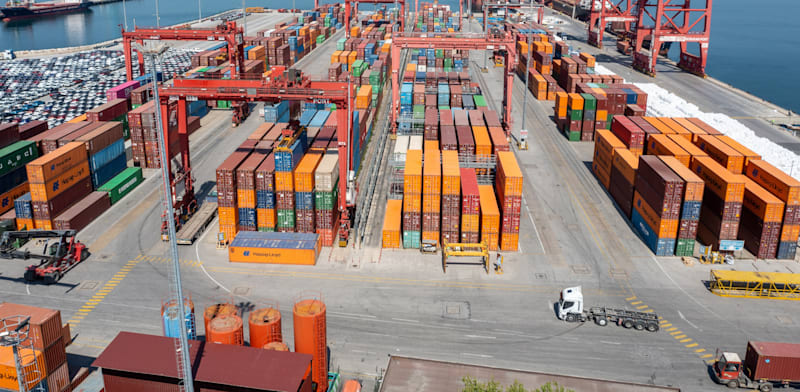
552 387
516 387
473 385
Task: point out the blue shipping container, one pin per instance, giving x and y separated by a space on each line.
107 172
104 156
319 119
265 199
275 240
304 200
306 117
247 216
23 207
285 161
691 210
659 246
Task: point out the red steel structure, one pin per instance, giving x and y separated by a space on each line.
228 32
486 6
614 11
449 42
290 87
672 21
349 10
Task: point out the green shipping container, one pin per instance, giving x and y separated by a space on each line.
448 62
286 218
448 69
573 136
223 104
412 239
17 155
479 100
439 53
589 102
444 107
122 184
326 200
418 111
266 229
575 115
685 247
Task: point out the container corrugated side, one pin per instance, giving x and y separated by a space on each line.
47 167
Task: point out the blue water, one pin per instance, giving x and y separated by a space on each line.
754 46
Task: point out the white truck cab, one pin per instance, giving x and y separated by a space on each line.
571 301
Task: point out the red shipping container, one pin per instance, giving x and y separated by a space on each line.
772 361
449 140
628 132
109 110
412 221
48 210
466 142
32 128
9 133
470 195
83 212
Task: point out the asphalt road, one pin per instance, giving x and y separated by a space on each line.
400 302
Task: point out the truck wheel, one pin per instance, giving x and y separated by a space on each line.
652 327
733 384
601 321
627 323
638 325
765 388
571 318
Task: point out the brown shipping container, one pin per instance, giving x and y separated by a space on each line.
83 212
45 324
108 111
74 135
449 140
772 361
102 137
226 175
48 210
49 140
32 128
50 166
55 355
9 133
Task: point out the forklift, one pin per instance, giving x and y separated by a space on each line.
57 256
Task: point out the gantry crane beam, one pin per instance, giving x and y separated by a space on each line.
348 11
672 21
185 90
486 6
612 11
228 32
455 41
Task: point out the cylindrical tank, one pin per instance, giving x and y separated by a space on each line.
216 310
226 329
265 326
276 346
170 318
351 386
310 337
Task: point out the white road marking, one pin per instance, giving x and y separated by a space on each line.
607 342
352 314
476 355
508 331
363 352
406 320
685 319
481 337
484 321
538 237
28 289
197 253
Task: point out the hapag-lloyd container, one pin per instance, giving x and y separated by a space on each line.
274 248
57 185
48 210
122 184
83 212
56 163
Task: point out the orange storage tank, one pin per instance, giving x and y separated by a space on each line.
276 346
351 386
265 326
227 329
217 310
310 337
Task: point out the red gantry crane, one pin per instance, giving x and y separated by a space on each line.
449 42
350 10
486 6
623 11
227 32
672 21
291 86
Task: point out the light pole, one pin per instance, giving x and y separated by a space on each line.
153 52
125 15
199 11
244 18
158 18
523 132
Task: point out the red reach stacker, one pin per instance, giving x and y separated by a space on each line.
60 251
766 365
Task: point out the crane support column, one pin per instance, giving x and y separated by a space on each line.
621 11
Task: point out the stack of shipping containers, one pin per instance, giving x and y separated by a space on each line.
490 217
431 192
451 197
326 197
787 189
470 207
509 192
412 199
657 204
57 181
246 186
692 200
304 192
722 201
227 209
391 224
287 156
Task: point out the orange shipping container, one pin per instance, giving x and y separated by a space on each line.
470 223
490 216
228 215
284 181
790 233
774 180
32 364
451 173
25 224
509 242
663 128
431 202
59 183
391 224
304 173
335 56
627 164
746 152
412 175
561 104
677 128
509 175
724 154
664 228
412 202
691 127
228 232
246 198
663 145
728 186
49 166
7 199
763 204
296 255
43 224
483 143
687 146
432 173
604 146
266 217
693 189
575 101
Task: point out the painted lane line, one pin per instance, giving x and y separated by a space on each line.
671 329
630 298
476 355
666 325
509 331
607 342
405 320
636 303
686 340
353 314
681 336
685 319
28 289
648 311
641 307
481 337
675 333
536 230
197 253
691 345
707 356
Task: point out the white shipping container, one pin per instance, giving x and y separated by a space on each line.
400 148
327 173
415 142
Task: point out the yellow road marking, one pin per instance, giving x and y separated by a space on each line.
700 350
679 337
666 325
671 329
663 322
84 310
707 356
675 333
686 340
641 307
74 321
630 298
636 303
691 345
648 311
98 297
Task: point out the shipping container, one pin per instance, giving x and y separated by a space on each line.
60 183
391 224
122 184
490 217
83 212
770 361
17 155
274 248
721 152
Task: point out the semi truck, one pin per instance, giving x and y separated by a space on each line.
766 365
570 308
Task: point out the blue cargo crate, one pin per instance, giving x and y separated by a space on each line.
320 119
247 216
691 210
275 240
659 246
109 171
304 200
104 156
787 250
23 206
307 116
265 199
631 96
